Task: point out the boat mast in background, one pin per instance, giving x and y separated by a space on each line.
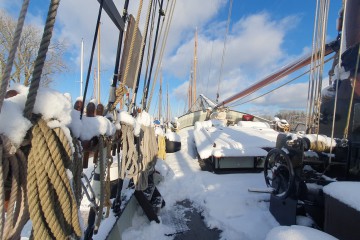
98 70
167 103
81 66
192 80
160 97
194 69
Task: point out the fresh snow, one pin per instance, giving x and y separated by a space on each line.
297 233
174 137
245 140
224 201
54 107
346 192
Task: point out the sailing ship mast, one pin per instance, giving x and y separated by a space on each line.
190 95
160 97
81 66
98 70
167 104
195 63
192 81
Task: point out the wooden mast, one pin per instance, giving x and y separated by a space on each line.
190 90
160 97
81 67
195 63
167 103
98 70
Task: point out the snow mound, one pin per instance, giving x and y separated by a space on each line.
296 232
346 192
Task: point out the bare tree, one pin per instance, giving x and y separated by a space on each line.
292 116
27 52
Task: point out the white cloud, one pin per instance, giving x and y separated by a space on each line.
254 45
253 49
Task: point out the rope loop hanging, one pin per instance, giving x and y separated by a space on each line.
13 190
52 203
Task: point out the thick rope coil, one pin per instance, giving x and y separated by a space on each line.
53 208
147 155
129 154
40 59
135 163
10 61
22 212
13 181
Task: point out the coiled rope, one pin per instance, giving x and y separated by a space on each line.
13 171
16 39
147 156
52 204
129 154
53 208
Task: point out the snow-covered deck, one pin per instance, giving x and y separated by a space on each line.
247 139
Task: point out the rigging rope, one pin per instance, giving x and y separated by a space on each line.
315 80
139 65
52 205
167 28
337 83
15 43
224 49
235 104
101 162
211 57
146 90
346 130
120 89
40 59
13 185
149 49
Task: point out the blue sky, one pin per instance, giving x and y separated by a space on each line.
264 35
